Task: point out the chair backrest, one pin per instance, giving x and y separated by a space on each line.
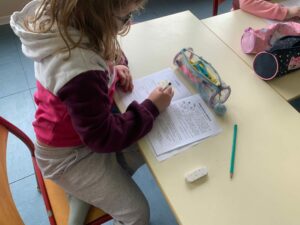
215 7
6 128
54 197
8 211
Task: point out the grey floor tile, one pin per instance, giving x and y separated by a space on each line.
18 44
225 7
159 209
29 201
7 44
155 7
12 78
5 30
18 109
26 63
201 9
204 9
28 68
11 57
296 104
148 13
8 50
32 91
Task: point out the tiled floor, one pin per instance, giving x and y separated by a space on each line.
16 104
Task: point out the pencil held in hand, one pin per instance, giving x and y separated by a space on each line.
160 98
233 150
166 86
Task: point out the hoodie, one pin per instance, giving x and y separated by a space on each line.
73 95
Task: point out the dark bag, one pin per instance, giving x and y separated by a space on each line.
282 58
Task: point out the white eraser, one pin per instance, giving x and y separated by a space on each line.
196 174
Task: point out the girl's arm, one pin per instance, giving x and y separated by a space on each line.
264 9
89 106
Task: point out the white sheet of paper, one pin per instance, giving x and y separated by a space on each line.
174 152
186 121
144 86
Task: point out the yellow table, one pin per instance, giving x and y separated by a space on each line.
229 28
266 184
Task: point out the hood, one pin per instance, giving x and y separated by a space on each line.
51 68
38 46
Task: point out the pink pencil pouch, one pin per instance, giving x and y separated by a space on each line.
254 41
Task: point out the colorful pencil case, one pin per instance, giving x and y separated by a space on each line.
205 78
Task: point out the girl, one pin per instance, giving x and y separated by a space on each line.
268 10
80 142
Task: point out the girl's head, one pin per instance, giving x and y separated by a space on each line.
98 20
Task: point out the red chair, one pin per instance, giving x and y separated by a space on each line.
216 3
54 197
215 7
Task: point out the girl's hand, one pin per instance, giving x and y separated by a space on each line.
125 78
293 12
161 98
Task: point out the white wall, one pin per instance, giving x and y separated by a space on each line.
7 7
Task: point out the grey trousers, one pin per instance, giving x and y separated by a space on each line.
101 180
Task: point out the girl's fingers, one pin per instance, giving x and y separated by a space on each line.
130 87
168 90
129 84
125 79
126 86
126 82
130 78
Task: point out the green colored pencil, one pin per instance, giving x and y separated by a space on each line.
233 150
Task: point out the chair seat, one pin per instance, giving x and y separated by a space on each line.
60 206
8 211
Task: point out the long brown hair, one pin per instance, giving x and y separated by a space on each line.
94 19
